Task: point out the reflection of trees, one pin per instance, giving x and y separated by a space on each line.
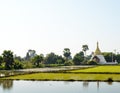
110 83
85 84
6 84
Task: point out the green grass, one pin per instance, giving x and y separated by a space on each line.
65 76
99 69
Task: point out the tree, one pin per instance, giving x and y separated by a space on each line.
52 58
85 48
68 63
60 60
8 59
30 54
18 64
92 63
109 56
67 53
78 58
1 60
38 59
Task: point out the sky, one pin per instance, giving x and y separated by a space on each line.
52 25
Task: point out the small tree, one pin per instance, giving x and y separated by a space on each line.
69 63
92 63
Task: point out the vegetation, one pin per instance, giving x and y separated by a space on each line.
78 58
92 63
67 53
65 76
85 48
10 61
108 73
103 69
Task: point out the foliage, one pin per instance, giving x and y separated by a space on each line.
27 64
37 60
92 63
52 58
41 65
117 58
8 59
108 56
85 48
78 58
18 64
67 53
1 60
30 54
69 63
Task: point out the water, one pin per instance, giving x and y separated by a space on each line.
8 86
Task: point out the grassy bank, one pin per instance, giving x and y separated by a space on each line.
90 74
66 76
100 69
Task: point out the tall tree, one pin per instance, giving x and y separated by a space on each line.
85 48
67 53
8 59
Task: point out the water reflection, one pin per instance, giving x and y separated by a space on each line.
58 87
6 84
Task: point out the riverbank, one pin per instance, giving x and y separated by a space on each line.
99 73
66 77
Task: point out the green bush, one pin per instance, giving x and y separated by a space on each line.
18 64
68 63
92 63
41 65
52 65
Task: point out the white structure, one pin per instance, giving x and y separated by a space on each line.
98 57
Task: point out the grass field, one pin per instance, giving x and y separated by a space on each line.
99 69
75 76
66 76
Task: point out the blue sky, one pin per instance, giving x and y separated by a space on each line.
52 25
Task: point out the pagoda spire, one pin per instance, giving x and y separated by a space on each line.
97 51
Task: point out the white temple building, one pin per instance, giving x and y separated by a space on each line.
98 57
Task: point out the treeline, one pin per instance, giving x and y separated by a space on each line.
32 60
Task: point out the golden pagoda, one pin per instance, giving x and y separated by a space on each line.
98 57
97 51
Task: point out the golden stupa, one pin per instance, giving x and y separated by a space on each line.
98 57
97 51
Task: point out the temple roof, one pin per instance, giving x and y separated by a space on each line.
97 51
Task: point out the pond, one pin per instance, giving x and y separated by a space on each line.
8 86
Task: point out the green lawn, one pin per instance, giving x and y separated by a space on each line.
99 69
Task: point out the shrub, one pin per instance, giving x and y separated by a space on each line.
41 65
18 64
92 63
68 63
